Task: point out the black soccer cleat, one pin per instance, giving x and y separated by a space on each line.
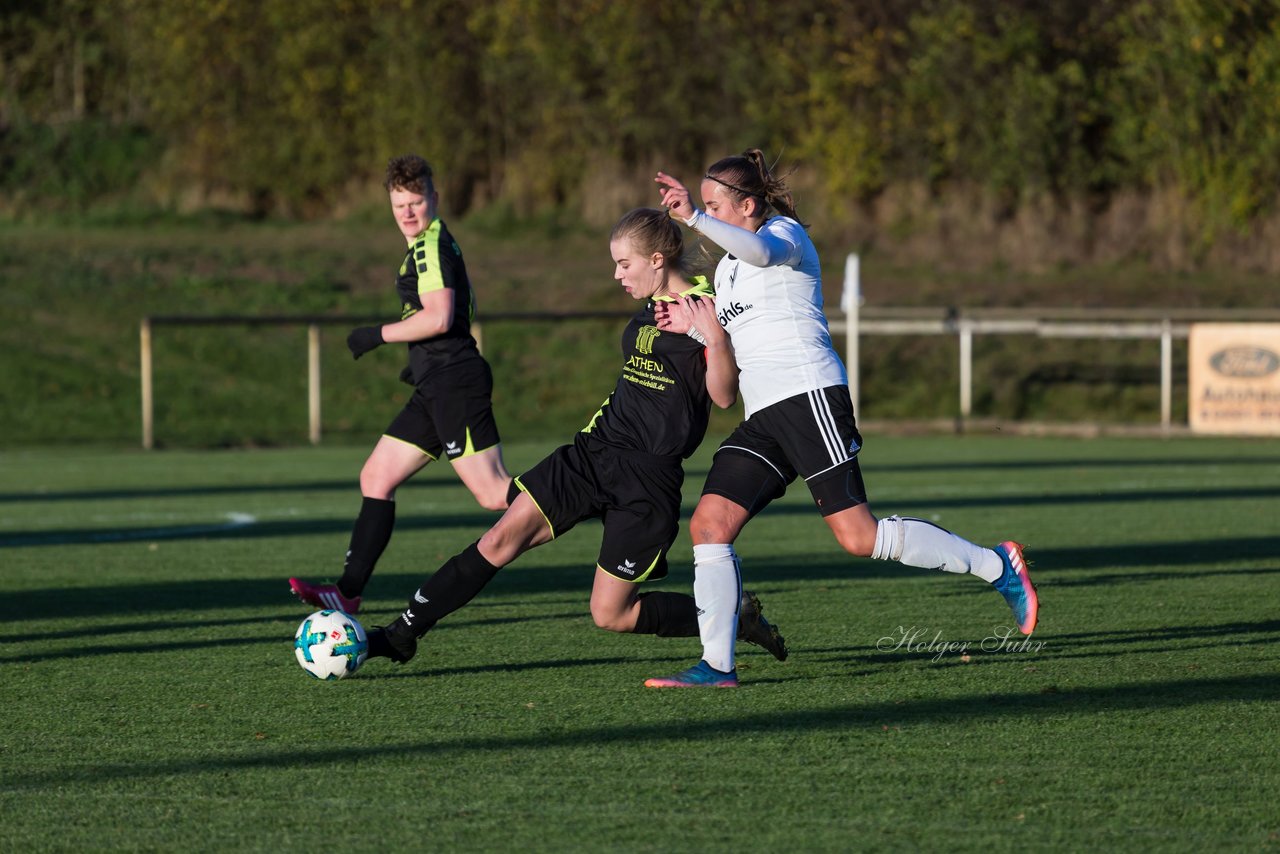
754 628
394 642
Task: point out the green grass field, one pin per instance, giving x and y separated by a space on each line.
153 702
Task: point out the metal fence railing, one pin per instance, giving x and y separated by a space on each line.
852 324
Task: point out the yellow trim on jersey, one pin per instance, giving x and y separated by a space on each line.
596 417
426 258
701 287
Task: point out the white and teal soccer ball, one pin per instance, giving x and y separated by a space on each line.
330 645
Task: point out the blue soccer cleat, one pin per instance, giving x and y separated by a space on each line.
1016 587
701 675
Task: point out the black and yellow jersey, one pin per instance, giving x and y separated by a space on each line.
434 261
660 405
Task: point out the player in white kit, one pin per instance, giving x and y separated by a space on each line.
799 418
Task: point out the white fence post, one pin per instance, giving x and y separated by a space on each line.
148 411
313 381
1166 374
966 369
851 303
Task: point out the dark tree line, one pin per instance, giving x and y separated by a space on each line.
285 105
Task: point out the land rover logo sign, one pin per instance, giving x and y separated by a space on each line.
1245 362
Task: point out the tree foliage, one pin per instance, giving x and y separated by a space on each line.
535 104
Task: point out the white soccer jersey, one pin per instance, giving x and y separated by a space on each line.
769 299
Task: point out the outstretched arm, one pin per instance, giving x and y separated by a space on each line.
767 248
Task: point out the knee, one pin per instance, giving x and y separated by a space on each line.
374 483
857 543
610 619
706 527
497 547
857 536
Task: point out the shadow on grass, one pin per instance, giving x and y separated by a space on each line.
171 597
223 640
675 729
249 528
694 471
351 484
219 627
931 648
525 581
238 528
1074 463
1048 499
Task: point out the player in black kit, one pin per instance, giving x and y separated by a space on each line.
450 413
624 467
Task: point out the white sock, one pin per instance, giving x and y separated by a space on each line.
717 585
916 542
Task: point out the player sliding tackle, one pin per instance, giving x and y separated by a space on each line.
625 467
799 419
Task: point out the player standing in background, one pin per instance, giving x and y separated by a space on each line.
798 419
625 467
451 408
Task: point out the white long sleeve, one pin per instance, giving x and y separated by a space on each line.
773 245
769 300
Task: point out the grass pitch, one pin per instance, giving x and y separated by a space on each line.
153 703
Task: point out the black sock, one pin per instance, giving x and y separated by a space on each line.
667 615
369 537
454 584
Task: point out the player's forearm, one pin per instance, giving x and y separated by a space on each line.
415 327
722 374
758 250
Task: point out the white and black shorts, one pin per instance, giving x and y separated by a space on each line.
811 435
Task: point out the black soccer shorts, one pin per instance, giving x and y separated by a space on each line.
449 416
812 435
636 496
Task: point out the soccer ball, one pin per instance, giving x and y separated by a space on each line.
330 645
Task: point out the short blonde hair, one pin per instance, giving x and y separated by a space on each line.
652 230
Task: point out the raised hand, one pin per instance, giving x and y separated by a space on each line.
674 196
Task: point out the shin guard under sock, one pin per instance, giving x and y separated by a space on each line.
369 538
667 615
453 585
717 585
916 542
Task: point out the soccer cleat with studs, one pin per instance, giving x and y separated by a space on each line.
394 642
326 596
754 628
701 675
1016 587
